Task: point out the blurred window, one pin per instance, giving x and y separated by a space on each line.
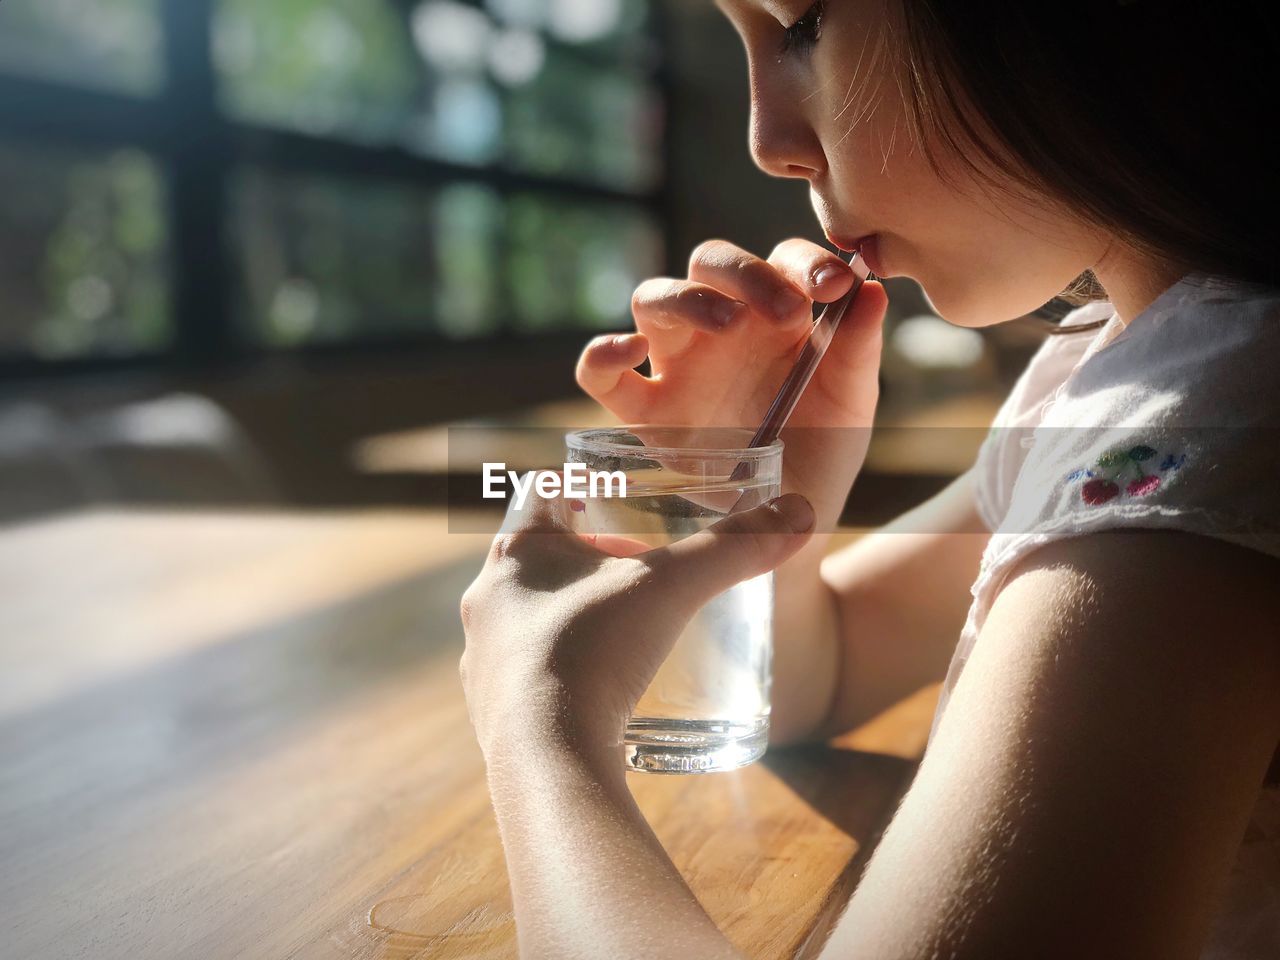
326 67
348 171
575 119
110 45
468 228
328 261
561 88
82 254
577 261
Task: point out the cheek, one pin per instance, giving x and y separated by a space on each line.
872 178
858 103
985 258
980 258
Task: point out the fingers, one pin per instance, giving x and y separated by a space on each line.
847 379
616 545
606 371
727 284
670 311
820 273
748 278
735 548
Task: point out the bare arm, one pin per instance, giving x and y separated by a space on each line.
878 621
589 878
1088 787
1092 777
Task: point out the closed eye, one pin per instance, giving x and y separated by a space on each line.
801 36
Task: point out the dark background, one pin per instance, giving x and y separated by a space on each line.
237 237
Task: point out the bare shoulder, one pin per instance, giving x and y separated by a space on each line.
1088 787
1171 607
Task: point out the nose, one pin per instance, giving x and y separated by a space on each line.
783 142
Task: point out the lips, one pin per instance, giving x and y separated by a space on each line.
845 243
866 244
848 246
869 250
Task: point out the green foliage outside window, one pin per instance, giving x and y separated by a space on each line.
82 254
321 66
559 89
325 260
581 120
577 263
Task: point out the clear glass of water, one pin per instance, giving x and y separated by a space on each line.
708 707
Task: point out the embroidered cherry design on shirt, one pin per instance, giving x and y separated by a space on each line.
1103 483
1143 486
1145 483
1098 491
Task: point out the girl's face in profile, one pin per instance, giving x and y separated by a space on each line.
826 107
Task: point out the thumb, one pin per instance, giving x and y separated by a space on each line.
849 372
735 548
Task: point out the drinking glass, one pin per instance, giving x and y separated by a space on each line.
708 707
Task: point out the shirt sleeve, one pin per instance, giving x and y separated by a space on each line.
1176 428
983 499
1216 481
1004 449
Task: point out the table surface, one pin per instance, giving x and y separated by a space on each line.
242 735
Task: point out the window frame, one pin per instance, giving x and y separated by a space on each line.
197 148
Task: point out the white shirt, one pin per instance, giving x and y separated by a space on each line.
1171 421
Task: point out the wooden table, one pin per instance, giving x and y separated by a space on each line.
242 735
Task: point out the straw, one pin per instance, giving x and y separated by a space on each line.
824 329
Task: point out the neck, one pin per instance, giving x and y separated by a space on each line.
1132 280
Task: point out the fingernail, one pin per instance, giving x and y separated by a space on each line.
794 509
787 303
622 339
726 310
829 272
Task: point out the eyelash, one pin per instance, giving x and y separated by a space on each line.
804 33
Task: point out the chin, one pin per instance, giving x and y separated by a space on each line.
972 305
958 308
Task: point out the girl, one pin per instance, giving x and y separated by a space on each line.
1094 785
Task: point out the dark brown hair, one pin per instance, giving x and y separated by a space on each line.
1153 120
